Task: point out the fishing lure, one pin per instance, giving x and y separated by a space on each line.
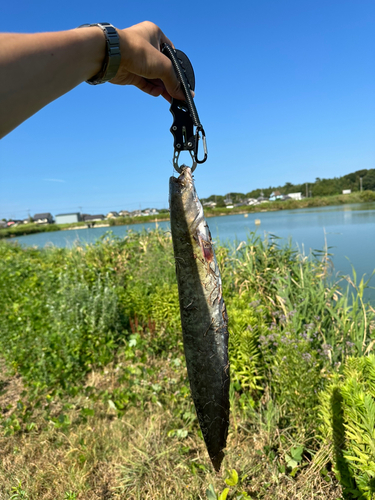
203 314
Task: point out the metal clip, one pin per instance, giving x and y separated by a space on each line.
197 137
176 155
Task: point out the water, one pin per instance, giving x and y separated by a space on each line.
348 230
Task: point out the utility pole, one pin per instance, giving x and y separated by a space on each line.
307 190
360 183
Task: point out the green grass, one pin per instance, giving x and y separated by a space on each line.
94 395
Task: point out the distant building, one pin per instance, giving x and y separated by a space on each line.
45 218
295 196
112 215
67 218
346 191
3 223
14 222
262 199
252 201
210 204
124 213
276 195
92 218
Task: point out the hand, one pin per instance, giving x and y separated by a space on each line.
144 65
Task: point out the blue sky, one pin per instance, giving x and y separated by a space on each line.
284 89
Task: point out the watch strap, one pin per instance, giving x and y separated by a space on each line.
113 56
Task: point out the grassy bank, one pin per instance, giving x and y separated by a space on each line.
323 201
317 201
94 396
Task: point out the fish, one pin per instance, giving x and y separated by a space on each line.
203 313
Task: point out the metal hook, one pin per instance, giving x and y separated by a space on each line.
176 156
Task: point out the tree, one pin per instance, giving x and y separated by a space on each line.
368 181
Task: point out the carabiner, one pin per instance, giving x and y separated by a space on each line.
200 130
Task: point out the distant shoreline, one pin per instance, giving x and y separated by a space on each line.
274 206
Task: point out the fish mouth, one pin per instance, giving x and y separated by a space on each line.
186 176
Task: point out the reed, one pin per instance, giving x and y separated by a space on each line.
93 388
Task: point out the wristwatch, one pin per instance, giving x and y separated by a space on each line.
113 57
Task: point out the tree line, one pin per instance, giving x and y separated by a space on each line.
321 187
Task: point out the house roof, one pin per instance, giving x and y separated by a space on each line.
46 215
93 217
61 215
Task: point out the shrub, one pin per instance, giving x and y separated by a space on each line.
348 424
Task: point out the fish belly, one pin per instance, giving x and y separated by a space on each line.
203 315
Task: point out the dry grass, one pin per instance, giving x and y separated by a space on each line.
133 457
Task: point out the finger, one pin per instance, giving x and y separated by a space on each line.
168 76
165 39
166 96
148 87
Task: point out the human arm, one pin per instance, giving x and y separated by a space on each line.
36 69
